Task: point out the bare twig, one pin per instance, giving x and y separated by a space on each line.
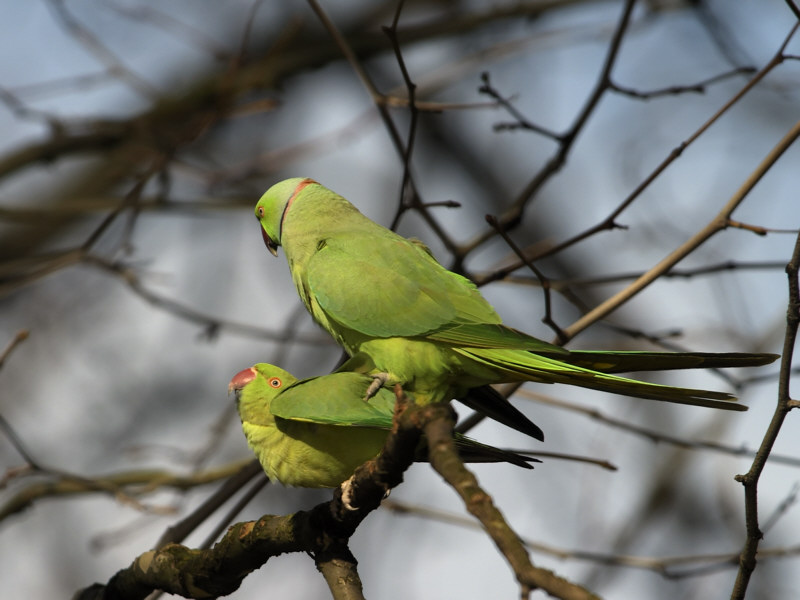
60 85
18 444
717 224
782 508
380 105
513 215
407 182
520 121
544 281
697 88
653 435
794 8
177 533
211 325
101 52
688 273
124 487
759 229
747 561
690 565
228 517
176 28
20 337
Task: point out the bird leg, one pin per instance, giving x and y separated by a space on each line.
347 494
378 381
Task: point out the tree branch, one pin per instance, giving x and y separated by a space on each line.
747 560
717 224
437 423
125 486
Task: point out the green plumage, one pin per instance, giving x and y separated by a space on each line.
316 432
394 308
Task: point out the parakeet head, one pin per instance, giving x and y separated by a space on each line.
275 377
272 207
255 389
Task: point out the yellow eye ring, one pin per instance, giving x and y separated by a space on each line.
260 211
275 382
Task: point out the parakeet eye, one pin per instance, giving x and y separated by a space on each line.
275 382
260 211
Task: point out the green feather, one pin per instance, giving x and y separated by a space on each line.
336 399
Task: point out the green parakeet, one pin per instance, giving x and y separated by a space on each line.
402 316
315 432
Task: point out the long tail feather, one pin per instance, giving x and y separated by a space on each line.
514 365
622 362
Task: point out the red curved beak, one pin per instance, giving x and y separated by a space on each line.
241 379
271 246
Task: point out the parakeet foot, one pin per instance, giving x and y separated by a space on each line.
347 494
378 381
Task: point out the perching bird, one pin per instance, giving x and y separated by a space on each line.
315 432
404 318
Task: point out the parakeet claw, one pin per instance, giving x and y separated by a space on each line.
378 381
347 494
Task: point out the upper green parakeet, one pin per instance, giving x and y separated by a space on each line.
399 313
315 432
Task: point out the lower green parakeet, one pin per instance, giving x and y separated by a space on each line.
404 318
315 432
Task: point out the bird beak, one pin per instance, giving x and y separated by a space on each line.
241 379
271 246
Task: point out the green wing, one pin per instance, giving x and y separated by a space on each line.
335 399
387 286
338 399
